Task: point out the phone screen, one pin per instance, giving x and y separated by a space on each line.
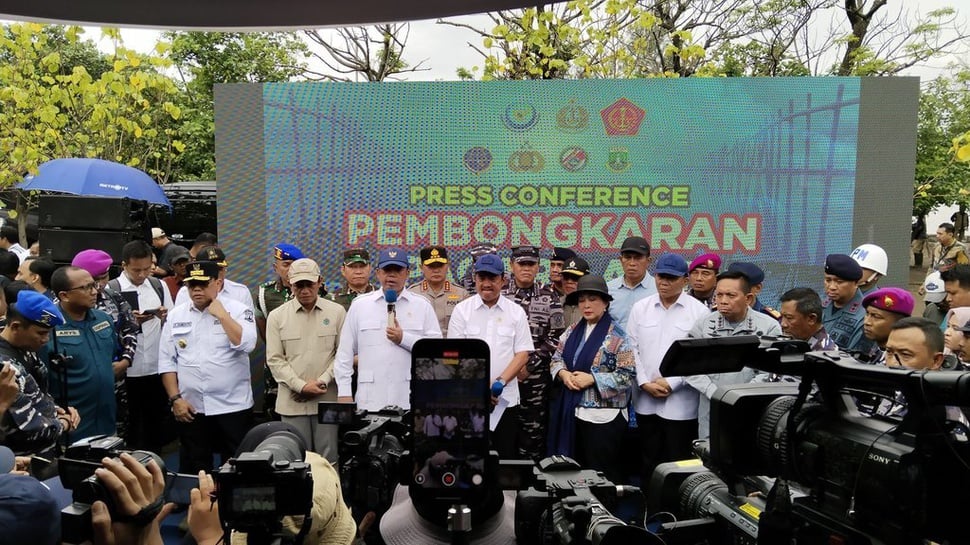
450 408
330 412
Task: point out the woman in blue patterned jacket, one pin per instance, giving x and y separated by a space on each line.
595 364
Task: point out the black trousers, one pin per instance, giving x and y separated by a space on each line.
663 440
151 425
207 435
505 436
598 446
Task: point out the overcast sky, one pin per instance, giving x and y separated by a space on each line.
445 48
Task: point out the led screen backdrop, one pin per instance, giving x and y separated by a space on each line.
777 171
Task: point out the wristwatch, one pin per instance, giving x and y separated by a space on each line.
171 400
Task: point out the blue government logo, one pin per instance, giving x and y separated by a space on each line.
478 159
521 117
573 159
619 159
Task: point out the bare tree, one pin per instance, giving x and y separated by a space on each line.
373 53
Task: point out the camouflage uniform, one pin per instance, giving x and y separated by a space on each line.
112 303
547 323
345 296
708 301
30 425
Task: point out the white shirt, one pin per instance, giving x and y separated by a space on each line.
505 329
383 368
230 289
20 251
213 374
651 329
146 352
624 297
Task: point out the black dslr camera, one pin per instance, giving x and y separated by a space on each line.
76 469
256 489
568 505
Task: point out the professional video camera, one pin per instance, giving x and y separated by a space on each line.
832 473
76 469
570 505
261 485
372 456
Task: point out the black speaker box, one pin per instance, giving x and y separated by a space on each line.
97 213
64 244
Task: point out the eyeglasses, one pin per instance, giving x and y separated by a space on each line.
93 286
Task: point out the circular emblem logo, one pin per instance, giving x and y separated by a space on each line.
477 159
573 159
521 117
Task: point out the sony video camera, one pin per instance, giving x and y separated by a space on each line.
882 479
76 470
372 457
569 505
256 489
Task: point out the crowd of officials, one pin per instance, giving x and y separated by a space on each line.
161 351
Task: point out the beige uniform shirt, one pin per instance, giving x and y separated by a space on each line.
443 302
300 347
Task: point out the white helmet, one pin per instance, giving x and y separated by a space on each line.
872 257
933 286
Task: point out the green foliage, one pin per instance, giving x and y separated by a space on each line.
204 59
50 108
942 152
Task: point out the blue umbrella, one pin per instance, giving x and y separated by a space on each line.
95 178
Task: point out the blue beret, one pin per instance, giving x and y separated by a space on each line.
753 272
38 308
843 266
287 252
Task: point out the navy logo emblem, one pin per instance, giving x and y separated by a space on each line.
526 159
573 159
46 318
477 159
572 118
619 159
521 117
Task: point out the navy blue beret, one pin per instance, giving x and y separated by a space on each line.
753 272
843 266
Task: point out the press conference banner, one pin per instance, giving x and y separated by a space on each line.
768 170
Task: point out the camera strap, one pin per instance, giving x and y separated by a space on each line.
146 515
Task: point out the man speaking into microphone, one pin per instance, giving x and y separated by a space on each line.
380 329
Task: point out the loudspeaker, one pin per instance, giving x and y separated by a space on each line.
64 244
107 213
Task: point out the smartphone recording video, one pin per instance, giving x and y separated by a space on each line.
450 406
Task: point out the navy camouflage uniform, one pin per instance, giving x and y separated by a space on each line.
547 323
112 303
30 425
269 296
844 325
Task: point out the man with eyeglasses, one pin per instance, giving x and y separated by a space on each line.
203 359
301 342
87 345
98 263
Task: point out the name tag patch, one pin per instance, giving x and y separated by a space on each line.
99 326
68 333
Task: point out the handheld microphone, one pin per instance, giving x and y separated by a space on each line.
391 297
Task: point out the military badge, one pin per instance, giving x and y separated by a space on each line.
521 117
526 159
572 118
622 118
